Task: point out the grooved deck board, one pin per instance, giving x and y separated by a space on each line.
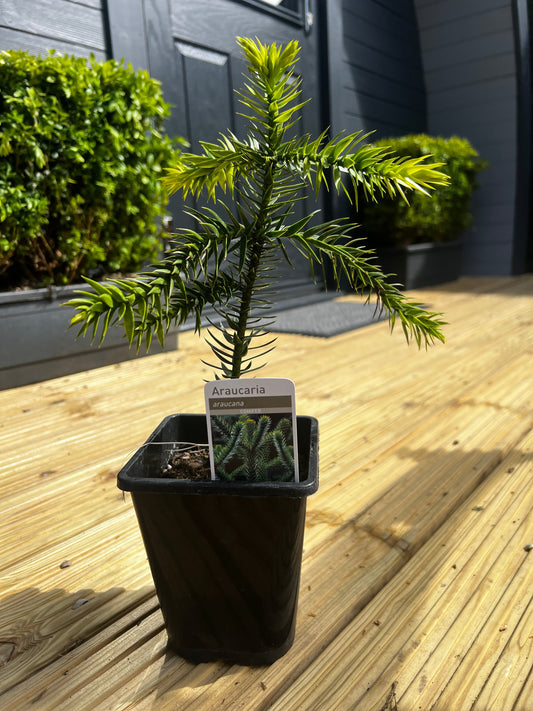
414 572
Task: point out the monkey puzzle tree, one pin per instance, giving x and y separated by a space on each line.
230 263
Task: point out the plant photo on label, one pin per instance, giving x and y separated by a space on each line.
252 448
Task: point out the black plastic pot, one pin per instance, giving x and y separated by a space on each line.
225 557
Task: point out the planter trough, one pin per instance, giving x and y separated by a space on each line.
420 265
36 344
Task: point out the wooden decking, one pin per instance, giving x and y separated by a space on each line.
416 587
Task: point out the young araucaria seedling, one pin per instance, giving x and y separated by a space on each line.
230 263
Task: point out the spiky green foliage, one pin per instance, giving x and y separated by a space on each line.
252 450
231 263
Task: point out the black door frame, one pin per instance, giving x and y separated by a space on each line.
523 218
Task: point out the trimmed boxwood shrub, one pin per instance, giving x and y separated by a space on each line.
439 217
81 151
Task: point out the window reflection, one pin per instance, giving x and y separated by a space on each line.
288 4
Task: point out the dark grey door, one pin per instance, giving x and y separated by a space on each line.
190 46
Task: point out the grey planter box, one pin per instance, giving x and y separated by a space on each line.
420 265
415 266
36 343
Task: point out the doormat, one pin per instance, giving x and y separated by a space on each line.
326 319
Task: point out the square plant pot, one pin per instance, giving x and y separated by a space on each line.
225 556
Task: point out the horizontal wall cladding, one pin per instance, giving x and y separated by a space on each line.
461 53
363 80
476 98
382 82
432 12
468 55
378 106
497 122
11 39
377 128
67 26
491 68
383 64
389 15
397 117
491 17
364 21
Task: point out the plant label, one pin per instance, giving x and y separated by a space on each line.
251 425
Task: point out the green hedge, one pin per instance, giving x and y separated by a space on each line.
81 149
439 218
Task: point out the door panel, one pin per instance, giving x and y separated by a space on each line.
192 50
205 34
208 105
215 25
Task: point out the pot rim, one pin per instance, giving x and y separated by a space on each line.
130 479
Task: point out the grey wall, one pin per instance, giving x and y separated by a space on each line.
373 73
375 69
38 25
470 71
